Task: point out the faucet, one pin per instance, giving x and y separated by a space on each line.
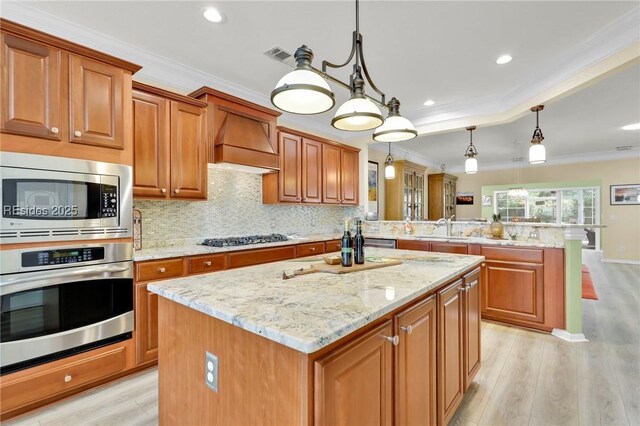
446 221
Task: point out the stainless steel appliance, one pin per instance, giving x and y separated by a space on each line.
52 198
57 301
379 242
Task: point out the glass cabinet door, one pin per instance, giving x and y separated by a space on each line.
418 202
407 197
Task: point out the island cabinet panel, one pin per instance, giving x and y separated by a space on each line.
472 330
450 350
146 325
454 248
31 88
290 174
353 384
414 245
331 174
415 365
311 171
96 103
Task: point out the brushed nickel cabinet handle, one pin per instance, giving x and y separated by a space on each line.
207 263
77 133
463 288
163 190
395 340
408 329
55 130
68 378
473 284
162 270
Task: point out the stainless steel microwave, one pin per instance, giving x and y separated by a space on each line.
48 198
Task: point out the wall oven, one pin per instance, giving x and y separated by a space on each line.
58 301
52 198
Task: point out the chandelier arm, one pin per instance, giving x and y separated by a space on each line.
326 63
366 72
348 87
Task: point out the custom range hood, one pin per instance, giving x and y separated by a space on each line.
241 135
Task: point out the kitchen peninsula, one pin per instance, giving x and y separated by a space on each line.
320 348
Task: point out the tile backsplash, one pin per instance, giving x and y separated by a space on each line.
234 207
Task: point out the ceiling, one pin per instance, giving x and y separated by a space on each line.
415 50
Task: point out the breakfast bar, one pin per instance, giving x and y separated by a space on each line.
246 346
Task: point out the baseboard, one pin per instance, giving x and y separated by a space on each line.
629 262
569 337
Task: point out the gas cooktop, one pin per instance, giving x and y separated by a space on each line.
243 241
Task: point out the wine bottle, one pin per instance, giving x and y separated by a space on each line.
358 244
347 246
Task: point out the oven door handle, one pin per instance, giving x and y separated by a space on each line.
28 282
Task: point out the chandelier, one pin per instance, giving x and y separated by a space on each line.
305 91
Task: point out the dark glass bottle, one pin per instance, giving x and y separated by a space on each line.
346 246
358 244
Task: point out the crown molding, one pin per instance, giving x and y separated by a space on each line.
405 154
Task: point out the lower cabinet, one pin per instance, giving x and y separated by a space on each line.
454 248
472 326
146 325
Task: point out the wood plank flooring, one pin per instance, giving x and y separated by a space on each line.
527 378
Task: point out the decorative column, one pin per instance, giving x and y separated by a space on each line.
573 237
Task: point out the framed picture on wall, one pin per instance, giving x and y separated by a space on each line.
486 201
372 191
464 198
625 195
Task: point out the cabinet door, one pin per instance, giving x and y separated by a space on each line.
449 248
513 291
146 325
353 384
418 197
311 171
31 88
188 159
151 127
349 177
415 367
450 350
289 176
471 326
96 103
331 173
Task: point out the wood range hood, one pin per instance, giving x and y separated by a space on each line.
241 134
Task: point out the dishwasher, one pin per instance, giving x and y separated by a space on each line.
380 242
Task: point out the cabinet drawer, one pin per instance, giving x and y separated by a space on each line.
159 269
209 263
51 382
256 257
309 249
449 248
413 245
332 246
511 254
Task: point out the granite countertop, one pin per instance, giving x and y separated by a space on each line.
311 311
479 240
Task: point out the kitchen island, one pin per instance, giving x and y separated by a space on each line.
358 348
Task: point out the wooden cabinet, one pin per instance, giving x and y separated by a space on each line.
349 171
169 145
404 195
415 365
455 248
332 246
472 325
259 256
159 269
206 263
31 88
57 91
442 196
309 249
331 171
450 350
353 385
414 245
311 171
290 174
146 325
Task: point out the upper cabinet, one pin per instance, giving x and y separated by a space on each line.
170 160
404 195
63 99
312 171
442 196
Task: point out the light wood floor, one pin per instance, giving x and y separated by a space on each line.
526 377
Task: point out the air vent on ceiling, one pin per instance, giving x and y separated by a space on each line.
624 147
280 55
516 159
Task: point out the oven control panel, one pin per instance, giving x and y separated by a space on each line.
109 201
62 256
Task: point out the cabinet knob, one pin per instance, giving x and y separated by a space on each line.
463 288
77 133
484 265
207 263
55 130
68 378
162 270
163 190
313 249
395 340
177 191
408 329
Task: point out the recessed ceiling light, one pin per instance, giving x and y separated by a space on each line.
634 126
429 102
213 15
504 59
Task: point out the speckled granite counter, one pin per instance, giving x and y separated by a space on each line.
309 312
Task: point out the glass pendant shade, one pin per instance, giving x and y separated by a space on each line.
537 154
471 166
389 172
396 128
357 114
303 92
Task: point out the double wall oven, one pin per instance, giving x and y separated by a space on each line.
60 298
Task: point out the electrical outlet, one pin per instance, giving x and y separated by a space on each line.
211 371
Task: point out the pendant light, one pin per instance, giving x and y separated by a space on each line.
471 163
389 168
396 128
537 151
303 90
